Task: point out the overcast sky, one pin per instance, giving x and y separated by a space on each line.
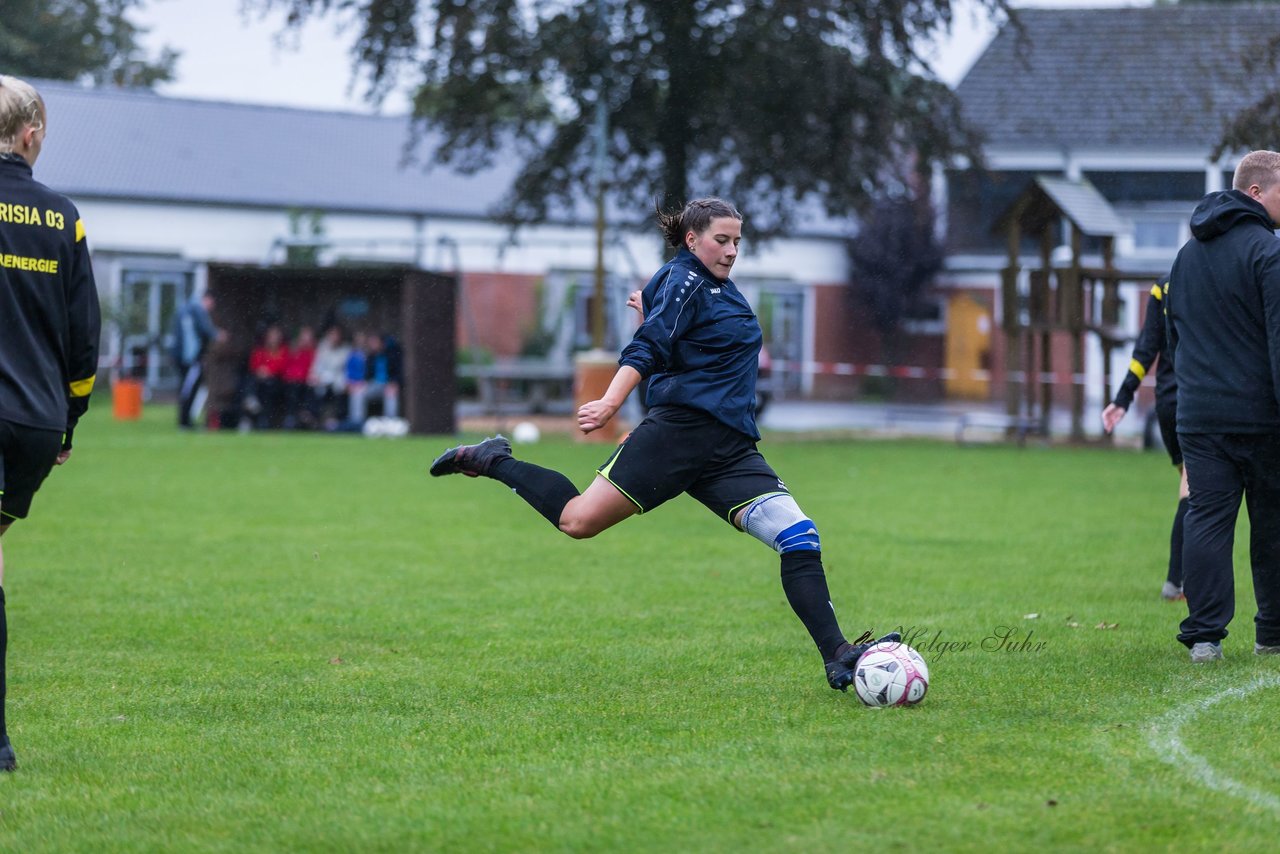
228 56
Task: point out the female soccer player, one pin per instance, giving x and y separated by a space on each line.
699 342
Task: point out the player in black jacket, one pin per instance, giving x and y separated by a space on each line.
1148 349
1224 335
49 325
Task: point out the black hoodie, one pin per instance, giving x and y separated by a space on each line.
1223 308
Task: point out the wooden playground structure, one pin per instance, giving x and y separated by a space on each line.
1061 301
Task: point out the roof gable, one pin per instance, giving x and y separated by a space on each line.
1047 197
1152 77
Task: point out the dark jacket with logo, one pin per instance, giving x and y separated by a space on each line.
1224 319
700 343
49 314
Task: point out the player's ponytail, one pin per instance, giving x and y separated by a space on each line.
696 216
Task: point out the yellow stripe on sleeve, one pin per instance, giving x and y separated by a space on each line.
82 388
1157 292
1136 367
79 230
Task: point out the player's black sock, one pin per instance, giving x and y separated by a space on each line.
805 584
1175 544
4 649
546 490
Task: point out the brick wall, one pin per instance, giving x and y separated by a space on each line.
496 311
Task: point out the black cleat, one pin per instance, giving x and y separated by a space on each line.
472 460
840 669
8 762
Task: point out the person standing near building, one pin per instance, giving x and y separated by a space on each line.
49 326
1224 336
193 329
1150 349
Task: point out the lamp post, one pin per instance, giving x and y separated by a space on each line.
594 369
601 135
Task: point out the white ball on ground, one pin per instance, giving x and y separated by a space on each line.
526 433
891 674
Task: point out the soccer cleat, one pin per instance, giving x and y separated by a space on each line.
472 460
840 669
1205 651
1171 592
1263 649
8 762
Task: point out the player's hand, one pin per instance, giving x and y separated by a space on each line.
594 415
1111 416
63 456
633 301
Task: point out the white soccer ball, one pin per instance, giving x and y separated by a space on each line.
526 433
395 427
891 674
373 427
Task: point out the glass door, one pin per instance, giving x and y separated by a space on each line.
147 303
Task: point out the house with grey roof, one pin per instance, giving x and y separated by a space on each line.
170 188
1132 101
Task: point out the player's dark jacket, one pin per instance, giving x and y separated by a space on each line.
1149 348
700 341
1224 319
49 314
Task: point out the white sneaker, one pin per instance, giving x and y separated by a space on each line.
1171 592
1262 649
1205 651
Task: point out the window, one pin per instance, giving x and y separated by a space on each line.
1127 187
976 200
1156 233
927 316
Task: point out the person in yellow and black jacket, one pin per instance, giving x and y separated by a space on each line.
49 326
1151 348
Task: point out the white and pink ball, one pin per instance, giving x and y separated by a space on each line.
891 674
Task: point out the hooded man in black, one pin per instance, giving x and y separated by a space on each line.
1223 309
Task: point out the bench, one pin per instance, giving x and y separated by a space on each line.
541 380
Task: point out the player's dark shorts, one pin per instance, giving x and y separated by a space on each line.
676 449
1167 418
27 455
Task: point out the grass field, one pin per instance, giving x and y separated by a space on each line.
297 642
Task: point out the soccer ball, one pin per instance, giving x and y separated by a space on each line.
526 433
389 427
891 674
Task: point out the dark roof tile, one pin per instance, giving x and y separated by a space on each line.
1152 77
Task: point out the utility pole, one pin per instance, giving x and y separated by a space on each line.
594 369
601 134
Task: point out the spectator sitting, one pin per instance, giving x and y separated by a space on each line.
297 368
266 378
383 373
354 376
328 379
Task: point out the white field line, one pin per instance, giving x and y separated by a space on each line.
1166 739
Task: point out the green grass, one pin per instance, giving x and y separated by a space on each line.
293 642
